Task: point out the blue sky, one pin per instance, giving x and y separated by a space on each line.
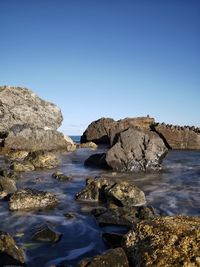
111 58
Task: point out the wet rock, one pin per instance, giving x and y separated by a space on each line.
97 161
17 155
98 131
165 241
32 199
8 173
125 195
43 160
91 145
22 166
10 253
22 106
113 240
61 176
46 234
136 151
26 138
104 190
70 215
7 186
114 257
125 216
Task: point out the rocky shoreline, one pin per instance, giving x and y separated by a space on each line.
30 142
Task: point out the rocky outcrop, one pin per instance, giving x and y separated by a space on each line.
28 123
10 253
165 241
21 106
27 198
98 131
105 190
177 137
113 257
136 151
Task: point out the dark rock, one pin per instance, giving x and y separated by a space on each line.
46 234
10 253
113 240
97 160
61 176
165 241
98 131
114 257
7 186
22 106
104 190
27 198
8 173
125 216
136 151
70 215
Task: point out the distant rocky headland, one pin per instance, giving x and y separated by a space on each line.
30 140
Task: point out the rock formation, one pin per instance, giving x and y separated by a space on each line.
164 241
29 123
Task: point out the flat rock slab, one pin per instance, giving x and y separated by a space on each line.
27 198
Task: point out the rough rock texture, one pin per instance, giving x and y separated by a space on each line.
22 137
22 166
136 151
122 193
98 131
179 137
10 253
7 186
127 216
165 241
114 257
32 199
46 234
91 145
43 160
22 106
60 176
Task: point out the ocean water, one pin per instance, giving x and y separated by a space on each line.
174 190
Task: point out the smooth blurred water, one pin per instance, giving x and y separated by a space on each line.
175 190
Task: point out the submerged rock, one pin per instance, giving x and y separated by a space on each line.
121 193
10 253
61 176
32 199
113 257
165 241
136 151
22 106
46 234
7 186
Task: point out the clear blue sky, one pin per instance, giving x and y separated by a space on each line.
111 58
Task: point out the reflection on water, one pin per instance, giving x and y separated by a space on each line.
175 190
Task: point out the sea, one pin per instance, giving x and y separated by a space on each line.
174 190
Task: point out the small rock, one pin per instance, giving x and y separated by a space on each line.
7 186
10 253
91 145
32 199
17 155
46 234
61 176
113 257
43 160
70 215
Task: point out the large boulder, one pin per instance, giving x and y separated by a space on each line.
135 151
23 137
98 131
165 241
177 137
22 106
10 253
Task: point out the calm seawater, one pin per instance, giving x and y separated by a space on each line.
175 190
